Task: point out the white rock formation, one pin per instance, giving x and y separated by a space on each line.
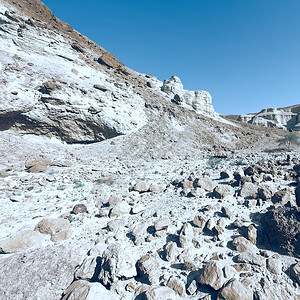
50 87
199 101
284 118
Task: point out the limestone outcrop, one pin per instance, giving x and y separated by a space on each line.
49 85
284 118
199 101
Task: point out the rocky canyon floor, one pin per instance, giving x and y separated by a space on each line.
116 185
111 220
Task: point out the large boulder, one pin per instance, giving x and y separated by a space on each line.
22 241
282 227
52 225
39 274
84 290
160 293
295 272
222 191
212 275
148 268
248 190
235 290
116 264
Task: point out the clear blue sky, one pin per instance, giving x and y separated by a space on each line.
246 53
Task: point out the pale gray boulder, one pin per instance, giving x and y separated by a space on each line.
212 275
235 290
116 264
43 273
21 241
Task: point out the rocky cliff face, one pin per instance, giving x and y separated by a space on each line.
57 82
284 118
199 101
52 85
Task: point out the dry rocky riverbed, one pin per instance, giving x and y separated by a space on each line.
162 199
81 222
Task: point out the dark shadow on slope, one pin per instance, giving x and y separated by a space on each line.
6 123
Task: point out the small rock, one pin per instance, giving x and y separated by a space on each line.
229 272
120 208
138 207
116 224
205 183
100 87
161 224
188 264
274 265
281 197
21 241
225 175
251 203
243 245
252 234
79 209
295 272
87 269
249 171
139 232
37 166
211 224
251 258
177 285
82 289
186 184
264 193
113 201
227 213
3 173
156 188
171 251
241 267
116 263
141 187
200 220
98 249
192 288
186 235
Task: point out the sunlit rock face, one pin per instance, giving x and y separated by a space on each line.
199 101
284 118
58 85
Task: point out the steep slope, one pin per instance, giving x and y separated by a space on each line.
50 86
58 83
